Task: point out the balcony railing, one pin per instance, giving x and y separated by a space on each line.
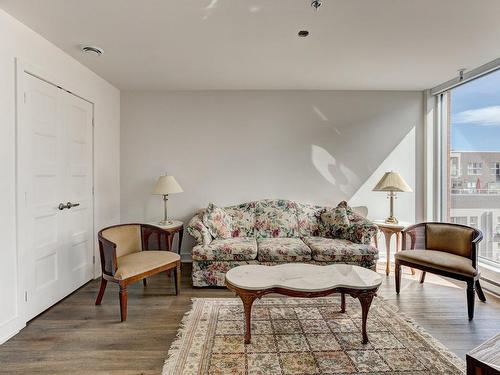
466 191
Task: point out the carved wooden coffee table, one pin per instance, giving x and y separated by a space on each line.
303 280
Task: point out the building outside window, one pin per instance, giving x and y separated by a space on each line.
455 166
495 170
472 138
474 168
459 220
473 221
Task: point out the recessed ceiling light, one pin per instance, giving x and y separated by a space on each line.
92 50
303 33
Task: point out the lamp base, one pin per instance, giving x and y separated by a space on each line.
391 220
165 222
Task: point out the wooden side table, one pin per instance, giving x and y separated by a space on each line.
169 231
388 230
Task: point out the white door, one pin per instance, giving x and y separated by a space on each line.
54 169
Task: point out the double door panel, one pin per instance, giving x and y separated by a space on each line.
55 165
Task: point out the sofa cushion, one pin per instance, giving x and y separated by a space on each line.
439 260
143 261
334 222
282 250
238 248
217 221
339 250
242 219
309 219
276 218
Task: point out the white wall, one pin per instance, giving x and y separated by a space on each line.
18 41
228 147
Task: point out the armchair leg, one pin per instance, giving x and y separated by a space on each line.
422 277
177 277
397 270
471 294
98 300
480 292
123 302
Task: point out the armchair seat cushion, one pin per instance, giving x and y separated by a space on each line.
142 261
283 250
439 260
236 248
340 250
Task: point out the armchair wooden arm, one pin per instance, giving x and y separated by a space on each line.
107 252
150 237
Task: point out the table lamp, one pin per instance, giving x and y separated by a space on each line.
166 185
392 182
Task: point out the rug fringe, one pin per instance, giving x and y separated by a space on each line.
173 352
443 350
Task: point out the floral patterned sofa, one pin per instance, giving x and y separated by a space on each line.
278 231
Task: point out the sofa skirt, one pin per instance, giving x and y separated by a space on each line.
212 273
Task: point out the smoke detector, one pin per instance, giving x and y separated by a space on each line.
92 50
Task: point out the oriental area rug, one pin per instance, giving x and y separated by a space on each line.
304 336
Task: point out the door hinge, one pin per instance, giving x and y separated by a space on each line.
93 122
24 95
92 190
26 296
93 259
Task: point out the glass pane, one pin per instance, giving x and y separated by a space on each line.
474 160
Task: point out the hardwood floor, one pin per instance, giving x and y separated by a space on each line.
76 337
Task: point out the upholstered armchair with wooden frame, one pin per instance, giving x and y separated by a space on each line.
444 249
126 258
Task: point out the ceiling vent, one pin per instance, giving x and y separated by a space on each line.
92 50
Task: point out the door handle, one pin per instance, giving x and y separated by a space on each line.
68 205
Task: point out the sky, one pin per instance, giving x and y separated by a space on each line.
475 115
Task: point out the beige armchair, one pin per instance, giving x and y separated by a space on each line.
126 258
444 249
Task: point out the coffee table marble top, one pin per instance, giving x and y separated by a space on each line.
303 277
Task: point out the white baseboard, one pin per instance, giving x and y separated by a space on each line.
10 328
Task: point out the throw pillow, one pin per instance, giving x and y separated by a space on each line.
334 222
217 221
360 230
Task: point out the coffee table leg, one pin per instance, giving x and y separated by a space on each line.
366 300
247 300
342 302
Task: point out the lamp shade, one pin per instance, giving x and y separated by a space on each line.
392 181
167 185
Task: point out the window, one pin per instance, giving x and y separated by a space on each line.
473 221
470 135
455 166
495 170
474 168
459 220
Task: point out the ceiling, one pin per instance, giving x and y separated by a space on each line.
253 44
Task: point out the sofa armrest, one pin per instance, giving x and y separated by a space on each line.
361 231
199 231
